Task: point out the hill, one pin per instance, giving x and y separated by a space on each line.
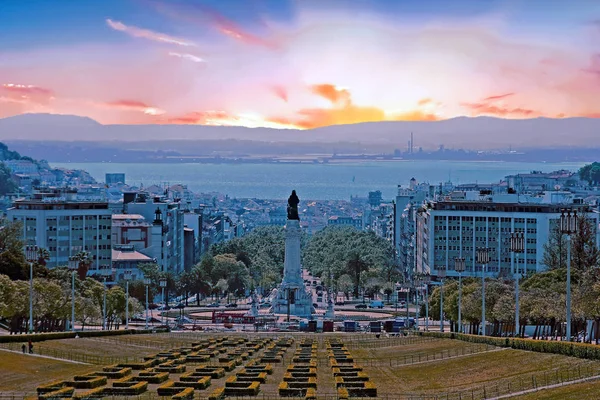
462 132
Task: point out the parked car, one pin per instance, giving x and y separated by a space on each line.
360 306
339 303
213 305
180 306
231 305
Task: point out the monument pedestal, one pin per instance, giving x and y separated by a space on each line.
292 296
253 312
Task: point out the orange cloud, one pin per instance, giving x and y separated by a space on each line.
337 96
423 102
416 116
344 112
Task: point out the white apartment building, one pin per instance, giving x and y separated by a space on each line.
166 244
65 226
407 199
449 229
336 220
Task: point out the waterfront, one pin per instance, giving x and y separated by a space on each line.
313 181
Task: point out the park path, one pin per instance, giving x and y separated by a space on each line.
554 386
48 357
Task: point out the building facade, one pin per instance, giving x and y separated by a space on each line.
167 243
356 222
65 226
446 230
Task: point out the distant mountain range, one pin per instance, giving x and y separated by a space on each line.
482 133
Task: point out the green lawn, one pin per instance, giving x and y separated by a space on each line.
500 372
587 390
23 373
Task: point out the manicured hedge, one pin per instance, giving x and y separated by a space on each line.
60 393
572 349
97 393
217 394
132 390
51 386
185 394
89 383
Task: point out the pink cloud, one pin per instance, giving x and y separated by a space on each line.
133 105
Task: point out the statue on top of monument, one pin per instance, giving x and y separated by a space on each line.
292 208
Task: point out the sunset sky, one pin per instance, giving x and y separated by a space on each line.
299 63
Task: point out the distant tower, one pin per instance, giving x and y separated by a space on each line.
412 142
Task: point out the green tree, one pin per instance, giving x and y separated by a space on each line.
555 249
84 262
356 266
12 258
262 251
584 251
345 284
590 173
7 184
342 250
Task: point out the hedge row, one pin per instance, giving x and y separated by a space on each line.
572 349
39 337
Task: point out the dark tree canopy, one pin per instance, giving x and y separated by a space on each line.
590 173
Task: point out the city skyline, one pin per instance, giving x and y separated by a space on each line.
299 64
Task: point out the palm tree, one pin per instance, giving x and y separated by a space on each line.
356 266
84 261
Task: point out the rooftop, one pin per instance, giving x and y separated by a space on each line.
127 253
126 216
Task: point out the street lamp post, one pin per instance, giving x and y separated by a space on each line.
517 245
417 283
127 277
104 306
441 274
459 266
426 280
163 285
73 264
568 226
483 258
31 254
147 282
